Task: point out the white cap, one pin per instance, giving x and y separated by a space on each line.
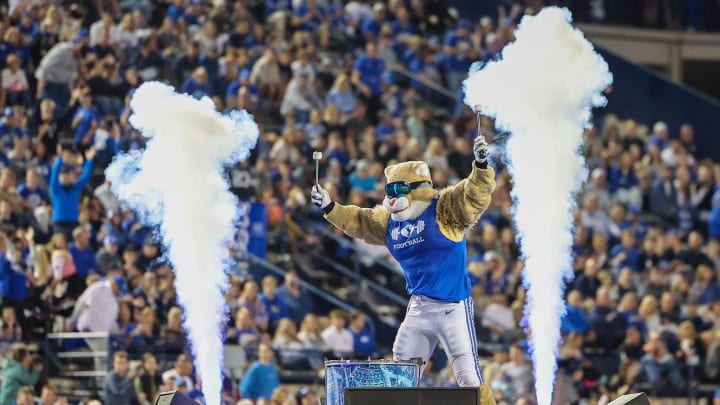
597 172
659 126
490 255
378 7
490 38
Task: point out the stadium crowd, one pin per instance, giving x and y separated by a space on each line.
323 75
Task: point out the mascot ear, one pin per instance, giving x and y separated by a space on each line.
422 169
388 170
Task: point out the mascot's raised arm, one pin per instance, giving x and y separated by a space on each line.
424 229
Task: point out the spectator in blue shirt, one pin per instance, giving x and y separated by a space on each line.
10 129
243 332
363 341
262 377
367 77
308 16
626 253
31 191
575 318
587 282
493 46
82 253
277 6
609 326
621 175
386 128
663 198
274 306
242 82
176 11
714 221
341 95
65 190
658 366
458 55
298 301
628 308
13 281
425 68
659 136
371 27
86 120
198 85
361 180
705 288
403 28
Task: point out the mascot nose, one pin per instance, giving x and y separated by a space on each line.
392 201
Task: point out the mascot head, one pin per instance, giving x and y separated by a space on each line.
408 191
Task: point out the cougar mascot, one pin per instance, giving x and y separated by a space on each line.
425 232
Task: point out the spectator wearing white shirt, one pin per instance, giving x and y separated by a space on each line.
303 65
592 217
518 373
597 186
671 154
310 333
498 317
106 24
96 310
107 198
338 339
128 33
301 97
15 84
356 12
183 369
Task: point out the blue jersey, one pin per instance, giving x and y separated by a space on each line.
434 265
371 71
87 117
35 197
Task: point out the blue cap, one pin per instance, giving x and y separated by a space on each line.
465 23
244 74
389 78
633 208
83 33
179 381
122 284
111 240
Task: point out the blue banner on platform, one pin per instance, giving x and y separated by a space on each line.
252 228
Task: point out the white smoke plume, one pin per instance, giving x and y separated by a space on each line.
177 186
542 91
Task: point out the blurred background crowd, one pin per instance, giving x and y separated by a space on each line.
367 84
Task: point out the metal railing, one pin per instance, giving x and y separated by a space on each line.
380 261
360 279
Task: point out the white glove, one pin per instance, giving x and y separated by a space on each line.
481 149
319 196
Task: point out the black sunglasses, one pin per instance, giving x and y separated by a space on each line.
403 188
